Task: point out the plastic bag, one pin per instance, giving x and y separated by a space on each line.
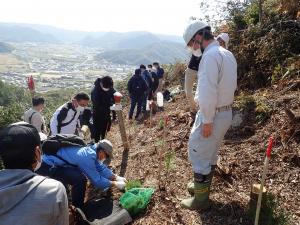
136 200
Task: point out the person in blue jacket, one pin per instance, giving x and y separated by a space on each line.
136 87
160 75
155 80
73 165
148 79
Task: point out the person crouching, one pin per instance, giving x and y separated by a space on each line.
73 165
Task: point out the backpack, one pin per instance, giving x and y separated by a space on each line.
55 142
30 117
138 86
160 73
147 77
155 77
67 107
30 121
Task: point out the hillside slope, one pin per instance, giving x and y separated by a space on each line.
240 164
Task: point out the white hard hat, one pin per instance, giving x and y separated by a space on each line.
225 38
192 29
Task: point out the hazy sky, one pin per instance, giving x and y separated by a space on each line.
159 16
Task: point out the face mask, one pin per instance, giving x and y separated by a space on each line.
105 161
38 165
101 161
197 52
80 108
103 88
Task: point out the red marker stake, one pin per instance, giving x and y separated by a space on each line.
31 86
268 155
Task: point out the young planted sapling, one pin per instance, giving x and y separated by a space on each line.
133 184
169 163
169 160
161 124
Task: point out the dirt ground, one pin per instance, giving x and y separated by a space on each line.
240 161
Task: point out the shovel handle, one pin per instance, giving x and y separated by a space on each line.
270 145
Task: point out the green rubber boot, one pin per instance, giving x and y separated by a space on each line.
200 200
210 176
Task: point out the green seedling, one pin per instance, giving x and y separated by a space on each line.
160 143
262 111
169 161
161 124
271 212
133 184
245 101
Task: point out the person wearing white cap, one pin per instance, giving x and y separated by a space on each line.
71 165
217 81
223 39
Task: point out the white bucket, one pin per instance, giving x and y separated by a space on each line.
160 99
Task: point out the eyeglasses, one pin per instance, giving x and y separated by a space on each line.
198 42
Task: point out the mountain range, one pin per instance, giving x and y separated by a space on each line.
129 47
163 52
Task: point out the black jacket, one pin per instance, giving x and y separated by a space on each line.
137 85
102 100
194 63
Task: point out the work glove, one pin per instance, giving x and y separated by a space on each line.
120 185
118 178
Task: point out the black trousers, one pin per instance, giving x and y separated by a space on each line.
68 176
102 124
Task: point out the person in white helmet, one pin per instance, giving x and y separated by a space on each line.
217 81
223 39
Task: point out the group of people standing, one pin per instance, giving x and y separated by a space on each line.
143 86
72 115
